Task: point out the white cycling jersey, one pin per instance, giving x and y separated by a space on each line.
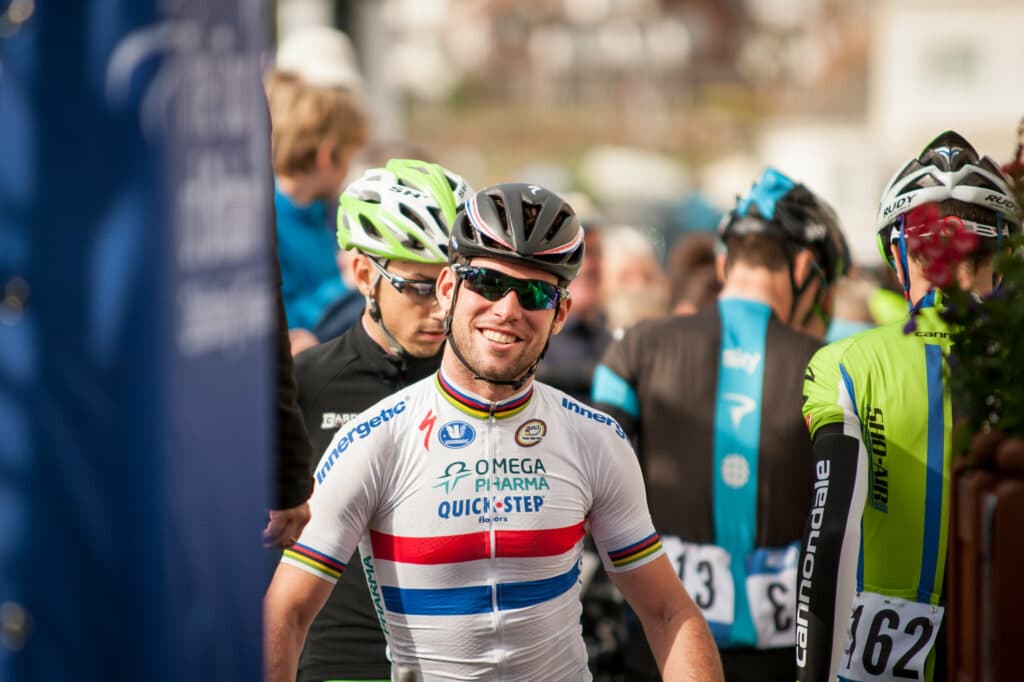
470 518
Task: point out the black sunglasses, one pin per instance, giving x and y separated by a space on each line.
533 294
424 288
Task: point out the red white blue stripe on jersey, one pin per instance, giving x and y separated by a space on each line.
451 549
482 408
461 601
448 549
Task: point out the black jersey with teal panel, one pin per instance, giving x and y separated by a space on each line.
713 401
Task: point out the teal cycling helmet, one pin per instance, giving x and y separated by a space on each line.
779 207
791 213
403 211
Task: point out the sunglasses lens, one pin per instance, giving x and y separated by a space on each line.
533 294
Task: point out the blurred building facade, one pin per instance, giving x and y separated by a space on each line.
836 93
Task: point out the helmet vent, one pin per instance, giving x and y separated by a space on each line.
369 227
927 180
436 214
412 217
979 180
556 224
530 213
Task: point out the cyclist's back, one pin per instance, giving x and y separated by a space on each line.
712 400
872 589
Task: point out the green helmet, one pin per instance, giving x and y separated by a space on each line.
403 211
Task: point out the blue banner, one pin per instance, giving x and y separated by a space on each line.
135 340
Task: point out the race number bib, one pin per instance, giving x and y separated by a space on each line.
771 592
707 576
889 638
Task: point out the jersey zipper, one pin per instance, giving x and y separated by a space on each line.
492 449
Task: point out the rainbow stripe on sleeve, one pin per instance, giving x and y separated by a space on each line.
321 563
635 552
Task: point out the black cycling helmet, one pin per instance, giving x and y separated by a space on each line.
520 222
777 206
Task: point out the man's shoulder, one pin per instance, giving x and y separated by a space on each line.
583 418
325 361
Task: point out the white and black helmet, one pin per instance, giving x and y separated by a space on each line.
403 211
950 173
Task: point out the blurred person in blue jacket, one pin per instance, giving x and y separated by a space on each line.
316 131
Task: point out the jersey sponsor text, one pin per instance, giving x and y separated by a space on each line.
879 461
599 417
362 430
822 471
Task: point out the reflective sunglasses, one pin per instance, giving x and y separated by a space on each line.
423 288
533 294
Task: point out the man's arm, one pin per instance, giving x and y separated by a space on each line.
292 601
676 631
827 576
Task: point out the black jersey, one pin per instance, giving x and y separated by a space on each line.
337 380
713 401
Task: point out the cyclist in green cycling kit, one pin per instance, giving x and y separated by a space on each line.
871 575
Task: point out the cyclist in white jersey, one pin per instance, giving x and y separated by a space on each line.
469 492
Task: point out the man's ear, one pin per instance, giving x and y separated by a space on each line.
803 264
720 267
561 313
326 155
446 282
363 273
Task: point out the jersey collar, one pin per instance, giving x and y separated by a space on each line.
478 407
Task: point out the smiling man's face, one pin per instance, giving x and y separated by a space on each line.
500 339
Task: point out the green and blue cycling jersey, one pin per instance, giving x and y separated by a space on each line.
873 560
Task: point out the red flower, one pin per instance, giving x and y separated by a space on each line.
940 241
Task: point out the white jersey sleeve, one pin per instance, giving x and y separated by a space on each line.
346 497
620 522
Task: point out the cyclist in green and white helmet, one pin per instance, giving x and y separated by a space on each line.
396 220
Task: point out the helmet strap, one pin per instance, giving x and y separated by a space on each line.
903 263
373 308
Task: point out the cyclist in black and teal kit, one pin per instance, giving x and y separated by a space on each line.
711 399
872 568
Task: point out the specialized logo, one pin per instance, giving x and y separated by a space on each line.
531 432
453 473
599 417
742 406
331 421
735 471
737 358
361 430
456 434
